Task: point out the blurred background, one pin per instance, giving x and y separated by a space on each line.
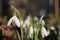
49 8
35 7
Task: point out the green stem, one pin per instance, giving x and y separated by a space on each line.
18 35
21 33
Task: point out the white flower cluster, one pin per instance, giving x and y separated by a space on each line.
28 23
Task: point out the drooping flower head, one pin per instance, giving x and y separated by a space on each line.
27 22
44 32
15 20
31 32
35 18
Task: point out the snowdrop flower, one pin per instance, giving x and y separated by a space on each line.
15 20
28 18
27 22
44 32
52 28
35 18
43 22
31 32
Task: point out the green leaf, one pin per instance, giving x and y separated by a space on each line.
18 35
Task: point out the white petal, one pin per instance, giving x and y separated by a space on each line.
26 23
52 28
28 18
43 22
10 21
16 20
44 32
35 18
31 31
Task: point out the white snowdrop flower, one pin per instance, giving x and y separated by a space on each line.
15 20
27 22
31 31
43 22
35 18
52 28
28 18
10 21
44 32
